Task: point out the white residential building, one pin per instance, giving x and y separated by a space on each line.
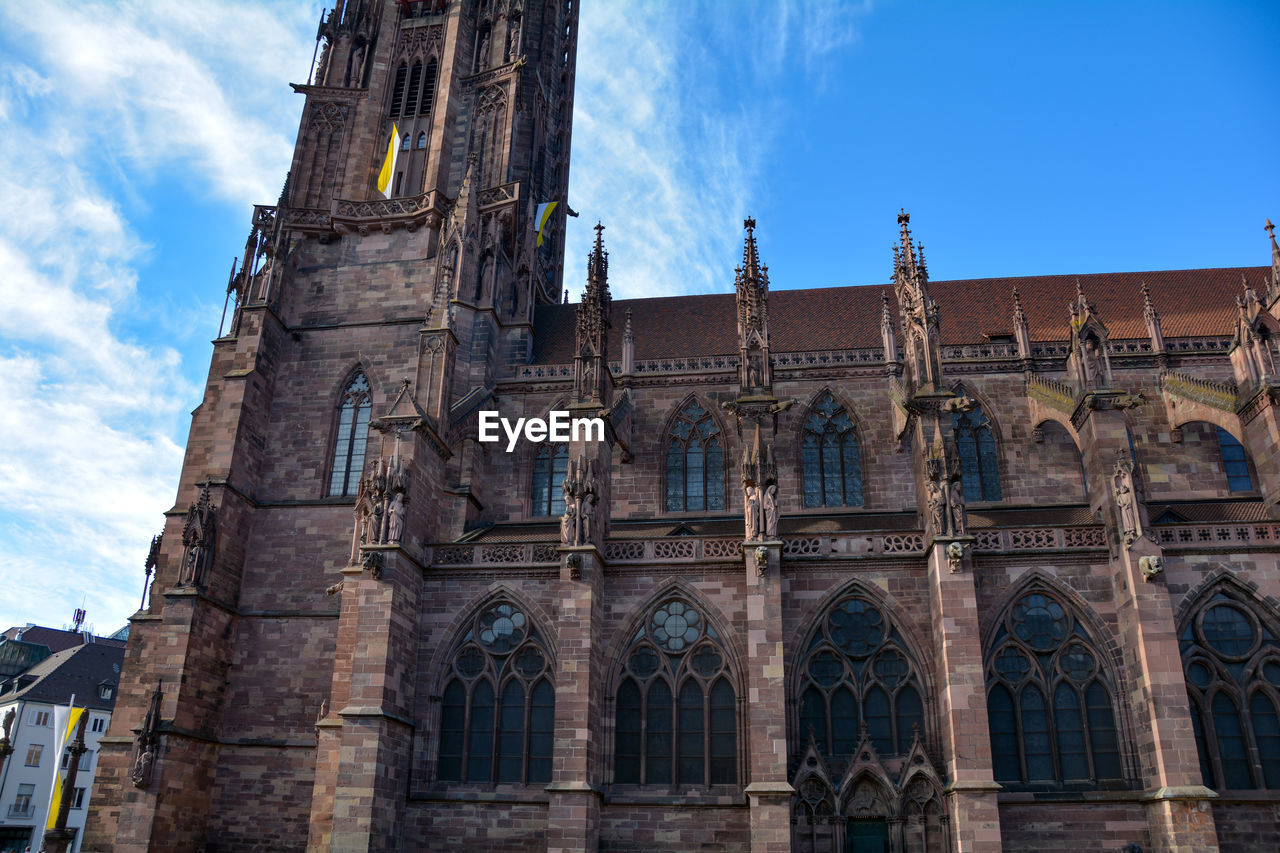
91 672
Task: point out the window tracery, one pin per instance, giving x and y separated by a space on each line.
979 455
1049 700
353 432
677 717
831 456
1231 657
550 464
498 705
858 674
695 462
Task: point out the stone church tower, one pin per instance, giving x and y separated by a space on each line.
281 715
932 566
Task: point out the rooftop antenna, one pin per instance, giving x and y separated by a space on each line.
78 619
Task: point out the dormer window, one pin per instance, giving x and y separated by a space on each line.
106 691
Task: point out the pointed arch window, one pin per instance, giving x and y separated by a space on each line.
411 91
1231 657
695 462
422 140
404 143
1049 701
832 457
550 464
979 456
429 83
397 89
1235 463
498 705
857 672
353 432
677 711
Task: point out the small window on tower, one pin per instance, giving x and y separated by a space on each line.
404 143
397 90
400 175
422 140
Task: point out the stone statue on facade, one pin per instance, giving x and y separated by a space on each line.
771 511
146 743
751 501
381 504
578 523
198 533
1126 501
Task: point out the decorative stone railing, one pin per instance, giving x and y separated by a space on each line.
1039 539
1051 392
1217 395
387 213
980 351
1194 536
498 194
694 549
307 219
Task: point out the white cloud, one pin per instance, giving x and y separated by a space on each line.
669 147
88 456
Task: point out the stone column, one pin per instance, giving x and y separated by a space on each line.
769 793
365 743
573 814
1179 816
375 742
962 700
1260 428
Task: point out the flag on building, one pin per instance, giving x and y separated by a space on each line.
544 214
65 721
386 176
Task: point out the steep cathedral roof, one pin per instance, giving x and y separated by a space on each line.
1192 303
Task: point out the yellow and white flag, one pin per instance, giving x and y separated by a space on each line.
65 721
387 175
544 214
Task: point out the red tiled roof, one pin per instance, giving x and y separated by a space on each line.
1191 303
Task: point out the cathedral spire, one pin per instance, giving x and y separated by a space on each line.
628 348
888 338
1273 286
592 328
751 285
921 338
1152 318
1021 333
1089 363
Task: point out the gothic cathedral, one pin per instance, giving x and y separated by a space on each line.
938 566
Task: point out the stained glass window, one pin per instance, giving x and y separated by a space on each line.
677 713
1049 701
1234 462
549 466
856 672
831 456
498 705
353 432
695 462
979 460
1231 657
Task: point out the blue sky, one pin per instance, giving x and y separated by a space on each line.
1025 138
